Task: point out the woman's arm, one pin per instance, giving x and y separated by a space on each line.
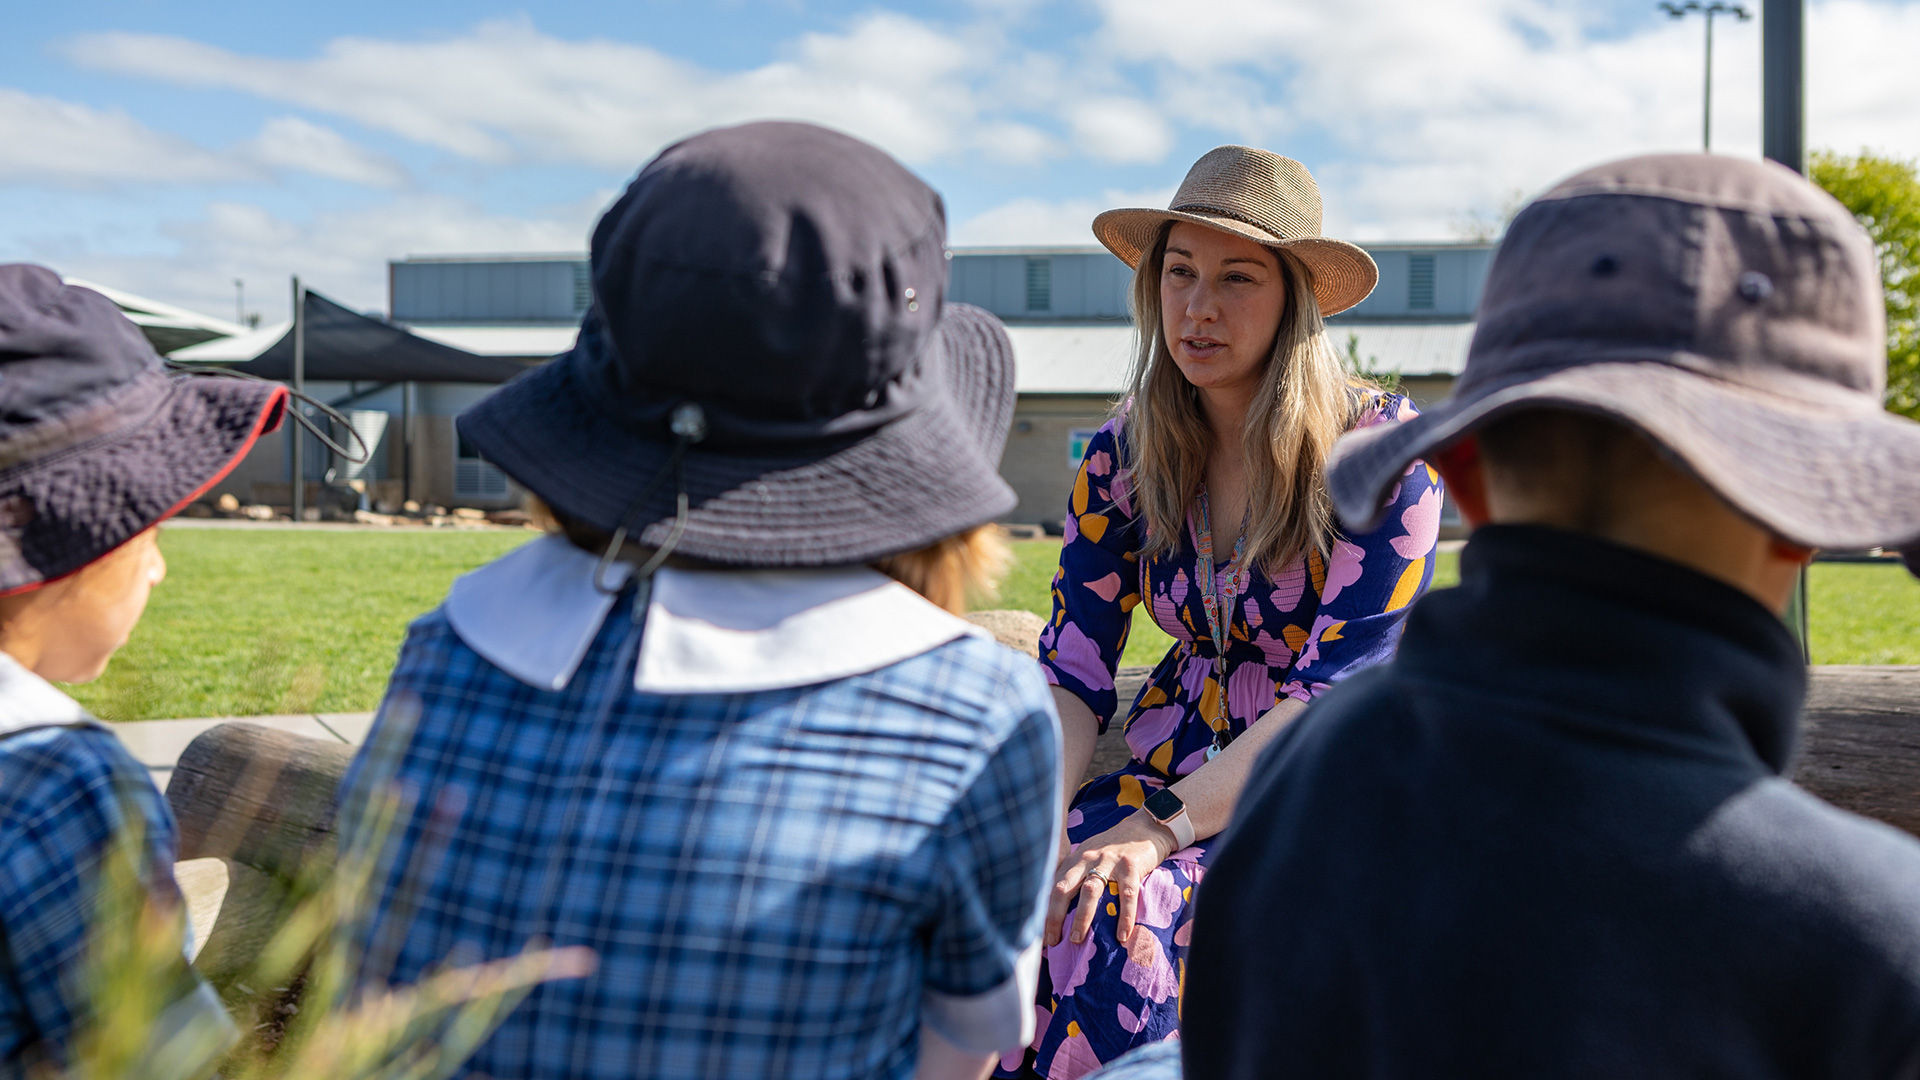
1118 860
1079 731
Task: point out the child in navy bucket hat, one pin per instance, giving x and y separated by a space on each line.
1553 838
722 725
98 444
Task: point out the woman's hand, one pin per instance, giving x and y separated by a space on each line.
1123 855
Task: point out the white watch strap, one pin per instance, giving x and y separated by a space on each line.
1181 826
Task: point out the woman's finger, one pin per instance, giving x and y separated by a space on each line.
1093 895
1126 882
1066 886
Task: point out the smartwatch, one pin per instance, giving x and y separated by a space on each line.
1166 808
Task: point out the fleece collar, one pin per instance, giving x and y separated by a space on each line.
535 612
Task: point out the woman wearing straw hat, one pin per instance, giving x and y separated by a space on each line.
1204 498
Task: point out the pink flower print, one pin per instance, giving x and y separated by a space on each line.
1325 627
1160 899
1070 530
1106 588
1099 463
1250 612
1249 692
1151 728
1166 615
1177 592
1122 489
1068 963
1422 522
1191 762
1130 1022
1075 818
1073 1059
1183 937
1148 970
1342 570
1080 657
1193 678
1288 587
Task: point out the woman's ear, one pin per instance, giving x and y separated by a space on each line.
1460 466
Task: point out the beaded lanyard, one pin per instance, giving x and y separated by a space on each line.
1219 617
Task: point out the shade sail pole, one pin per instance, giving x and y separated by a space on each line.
299 389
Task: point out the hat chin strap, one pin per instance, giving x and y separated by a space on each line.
689 424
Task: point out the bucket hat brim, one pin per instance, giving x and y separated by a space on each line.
921 478
1806 461
1343 273
62 509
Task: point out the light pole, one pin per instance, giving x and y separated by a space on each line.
1714 7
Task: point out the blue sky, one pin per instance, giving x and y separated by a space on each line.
168 151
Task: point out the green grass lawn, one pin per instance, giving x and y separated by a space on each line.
252 622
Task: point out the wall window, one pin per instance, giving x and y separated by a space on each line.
474 477
1420 282
582 287
1039 284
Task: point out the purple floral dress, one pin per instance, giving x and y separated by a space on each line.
1292 635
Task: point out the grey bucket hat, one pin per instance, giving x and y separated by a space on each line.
1726 308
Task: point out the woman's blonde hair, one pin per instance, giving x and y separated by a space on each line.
952 573
1305 402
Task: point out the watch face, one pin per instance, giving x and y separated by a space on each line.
1164 805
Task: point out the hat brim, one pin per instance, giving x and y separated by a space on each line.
1343 274
1811 467
60 512
924 477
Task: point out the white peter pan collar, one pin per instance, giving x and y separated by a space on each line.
28 701
534 613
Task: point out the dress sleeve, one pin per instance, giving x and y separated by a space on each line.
1370 579
998 846
1097 585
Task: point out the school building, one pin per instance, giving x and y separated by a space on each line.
1066 309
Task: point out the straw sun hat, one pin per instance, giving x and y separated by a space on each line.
1264 197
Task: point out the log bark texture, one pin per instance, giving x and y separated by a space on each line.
1860 741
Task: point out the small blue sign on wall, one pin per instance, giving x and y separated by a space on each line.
1077 441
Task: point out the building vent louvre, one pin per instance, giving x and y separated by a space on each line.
1420 282
475 477
1039 284
582 287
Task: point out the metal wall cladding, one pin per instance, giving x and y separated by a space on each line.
495 291
1042 284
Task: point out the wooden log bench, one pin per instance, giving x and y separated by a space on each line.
262 802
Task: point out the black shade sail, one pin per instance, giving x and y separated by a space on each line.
346 346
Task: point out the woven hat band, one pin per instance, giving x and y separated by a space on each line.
1215 211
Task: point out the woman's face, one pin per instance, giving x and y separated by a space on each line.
1221 299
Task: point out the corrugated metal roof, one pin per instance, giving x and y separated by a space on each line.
1094 359
530 342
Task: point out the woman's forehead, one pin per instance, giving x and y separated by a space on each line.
1203 244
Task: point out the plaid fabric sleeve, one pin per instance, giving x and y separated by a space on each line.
65 794
999 842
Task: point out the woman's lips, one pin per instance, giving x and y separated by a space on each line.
1201 348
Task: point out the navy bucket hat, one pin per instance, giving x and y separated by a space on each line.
769 321
98 442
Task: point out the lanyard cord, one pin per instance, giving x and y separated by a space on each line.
1218 609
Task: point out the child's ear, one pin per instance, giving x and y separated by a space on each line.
1460 466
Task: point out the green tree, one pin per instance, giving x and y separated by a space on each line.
1884 193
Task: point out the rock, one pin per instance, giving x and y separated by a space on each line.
411 506
469 513
510 517
311 513
258 512
366 517
1017 630
1025 532
228 503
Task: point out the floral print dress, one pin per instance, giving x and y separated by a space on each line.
1292 635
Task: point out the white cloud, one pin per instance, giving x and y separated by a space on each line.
53 141
288 142
1119 130
1044 221
343 254
506 92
